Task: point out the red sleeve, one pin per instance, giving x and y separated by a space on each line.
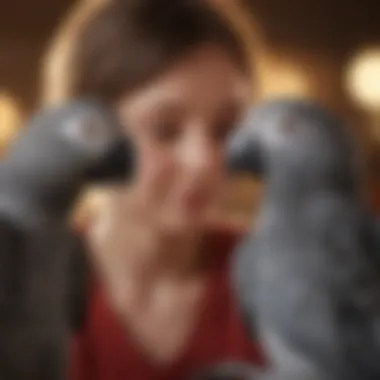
81 364
222 335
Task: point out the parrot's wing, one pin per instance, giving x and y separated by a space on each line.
35 299
376 239
31 289
18 248
347 235
11 247
351 240
355 281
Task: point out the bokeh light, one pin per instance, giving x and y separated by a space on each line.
363 78
284 80
10 119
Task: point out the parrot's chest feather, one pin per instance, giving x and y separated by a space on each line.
38 258
288 258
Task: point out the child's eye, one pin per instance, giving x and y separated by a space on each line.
165 132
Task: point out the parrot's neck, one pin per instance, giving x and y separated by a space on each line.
292 191
29 213
30 201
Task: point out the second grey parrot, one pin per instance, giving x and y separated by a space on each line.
43 268
308 277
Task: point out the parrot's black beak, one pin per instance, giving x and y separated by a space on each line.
119 164
245 155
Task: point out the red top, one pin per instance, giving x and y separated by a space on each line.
104 352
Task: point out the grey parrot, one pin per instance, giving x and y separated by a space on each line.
42 261
308 277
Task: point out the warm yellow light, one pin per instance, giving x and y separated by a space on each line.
363 78
284 81
9 119
282 76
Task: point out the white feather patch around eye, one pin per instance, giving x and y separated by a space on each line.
85 130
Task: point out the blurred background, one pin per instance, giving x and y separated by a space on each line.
327 50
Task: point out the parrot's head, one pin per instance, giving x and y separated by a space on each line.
80 138
60 152
294 139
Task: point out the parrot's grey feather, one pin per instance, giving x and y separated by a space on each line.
242 280
355 288
34 283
